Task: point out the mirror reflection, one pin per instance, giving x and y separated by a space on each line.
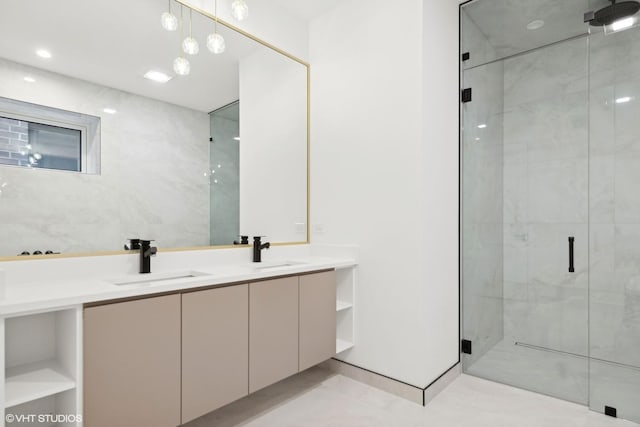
104 136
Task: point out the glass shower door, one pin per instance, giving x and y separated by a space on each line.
614 324
525 211
224 176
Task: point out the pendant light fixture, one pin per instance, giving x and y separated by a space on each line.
239 9
215 41
189 44
181 65
168 20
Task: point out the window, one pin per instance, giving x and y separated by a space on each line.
40 146
36 136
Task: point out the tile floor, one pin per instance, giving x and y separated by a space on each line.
565 374
320 398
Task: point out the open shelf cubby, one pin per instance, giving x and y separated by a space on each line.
345 293
42 358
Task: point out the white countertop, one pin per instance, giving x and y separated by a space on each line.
45 295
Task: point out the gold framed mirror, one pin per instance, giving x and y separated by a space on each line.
168 165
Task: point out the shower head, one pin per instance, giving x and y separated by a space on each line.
614 12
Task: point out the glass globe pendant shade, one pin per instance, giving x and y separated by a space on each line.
181 66
190 46
239 9
215 43
169 21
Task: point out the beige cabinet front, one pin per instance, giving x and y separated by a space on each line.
215 349
164 361
273 331
132 363
317 318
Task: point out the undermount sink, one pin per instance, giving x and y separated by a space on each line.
148 279
276 264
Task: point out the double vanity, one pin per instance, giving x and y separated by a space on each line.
162 349
87 346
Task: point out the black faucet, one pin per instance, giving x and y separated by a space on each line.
244 240
134 244
258 246
146 251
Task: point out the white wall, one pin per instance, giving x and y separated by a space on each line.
273 147
385 175
440 203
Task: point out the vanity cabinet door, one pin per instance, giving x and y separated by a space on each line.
317 318
132 363
273 331
215 349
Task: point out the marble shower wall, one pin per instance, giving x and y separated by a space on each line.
571 167
482 200
546 197
152 182
615 222
473 41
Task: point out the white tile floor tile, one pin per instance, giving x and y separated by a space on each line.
318 398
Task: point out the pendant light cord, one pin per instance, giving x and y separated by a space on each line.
215 13
181 29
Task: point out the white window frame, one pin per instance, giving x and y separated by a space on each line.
86 124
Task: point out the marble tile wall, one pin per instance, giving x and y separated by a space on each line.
482 204
546 197
474 42
152 185
615 222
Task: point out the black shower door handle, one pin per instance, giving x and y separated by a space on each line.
571 240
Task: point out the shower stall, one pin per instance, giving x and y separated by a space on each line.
224 176
550 200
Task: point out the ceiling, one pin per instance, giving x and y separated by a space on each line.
114 43
306 9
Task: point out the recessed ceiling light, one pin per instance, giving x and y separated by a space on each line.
623 100
535 25
29 79
110 111
482 126
157 76
43 53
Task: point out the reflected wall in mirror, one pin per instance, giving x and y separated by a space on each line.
171 168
